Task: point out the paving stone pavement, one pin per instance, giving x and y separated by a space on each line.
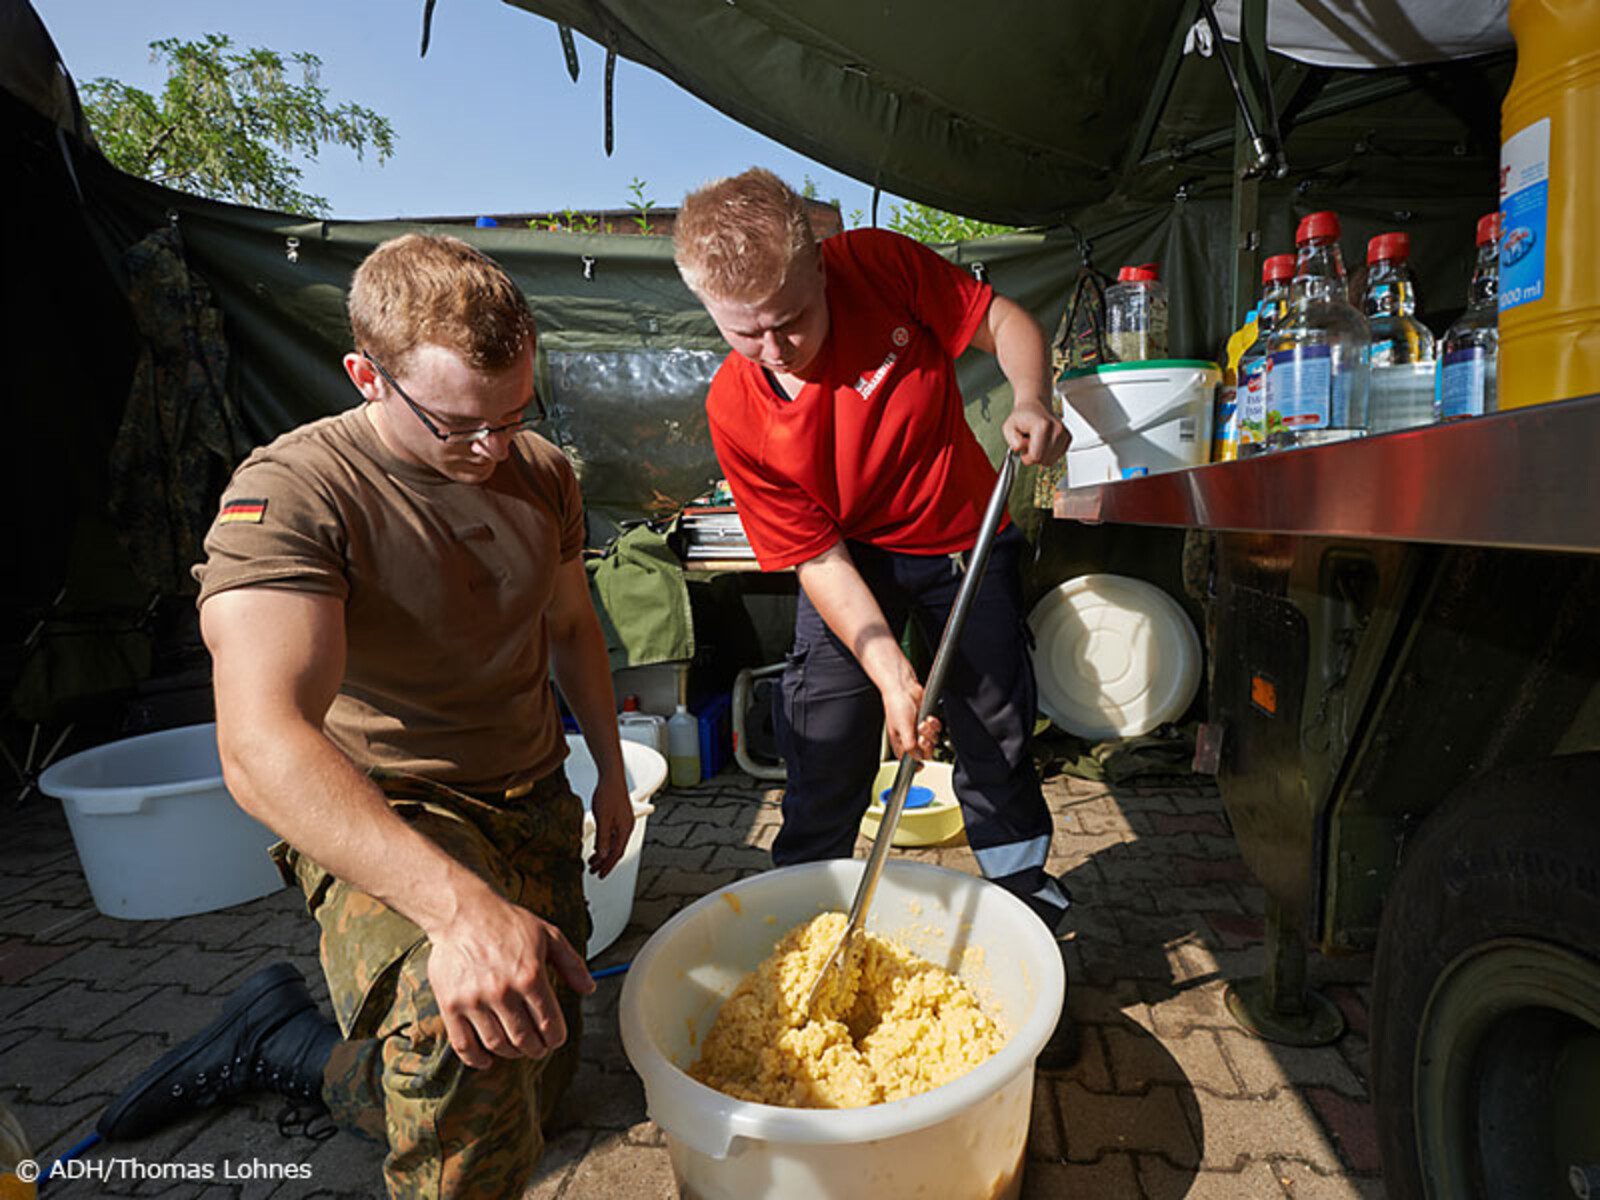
1169 1100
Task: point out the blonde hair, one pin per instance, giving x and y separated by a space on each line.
738 238
437 289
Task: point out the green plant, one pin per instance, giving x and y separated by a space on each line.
226 120
641 206
571 221
927 224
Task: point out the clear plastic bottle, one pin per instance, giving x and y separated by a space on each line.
1136 315
1254 425
1400 391
683 747
1317 357
1469 357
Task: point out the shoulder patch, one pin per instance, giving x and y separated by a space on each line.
251 511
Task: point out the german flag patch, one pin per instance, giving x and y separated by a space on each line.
248 511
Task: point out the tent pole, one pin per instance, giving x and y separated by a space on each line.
1245 215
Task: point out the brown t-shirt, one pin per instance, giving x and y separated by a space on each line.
444 584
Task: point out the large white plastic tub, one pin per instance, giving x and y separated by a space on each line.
157 833
611 899
962 1141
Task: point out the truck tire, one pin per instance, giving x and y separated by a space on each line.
1486 997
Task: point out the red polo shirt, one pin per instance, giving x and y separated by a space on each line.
877 449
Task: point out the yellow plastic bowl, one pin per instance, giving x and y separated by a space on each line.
927 826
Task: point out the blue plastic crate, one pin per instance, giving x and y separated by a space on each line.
716 734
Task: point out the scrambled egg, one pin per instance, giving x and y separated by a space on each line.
886 1025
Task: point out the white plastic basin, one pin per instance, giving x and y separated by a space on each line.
156 831
964 1140
611 899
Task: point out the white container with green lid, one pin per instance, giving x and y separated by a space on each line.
1133 419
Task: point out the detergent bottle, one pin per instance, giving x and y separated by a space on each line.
1225 425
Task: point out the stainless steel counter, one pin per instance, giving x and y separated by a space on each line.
1524 479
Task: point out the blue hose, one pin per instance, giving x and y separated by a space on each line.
48 1173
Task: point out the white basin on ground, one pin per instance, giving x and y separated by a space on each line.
156 831
611 899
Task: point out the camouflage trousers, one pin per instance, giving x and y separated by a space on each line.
451 1130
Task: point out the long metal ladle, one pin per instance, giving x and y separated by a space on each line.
895 804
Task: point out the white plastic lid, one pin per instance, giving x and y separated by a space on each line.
1114 656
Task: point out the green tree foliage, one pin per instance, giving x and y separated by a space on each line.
935 225
227 121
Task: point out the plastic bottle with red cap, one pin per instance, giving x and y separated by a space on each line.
1317 357
1136 315
1400 392
1276 273
1469 357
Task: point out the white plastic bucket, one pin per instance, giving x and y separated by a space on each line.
963 1141
1131 419
156 831
611 899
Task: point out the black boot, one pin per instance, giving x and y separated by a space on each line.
269 1037
1064 1046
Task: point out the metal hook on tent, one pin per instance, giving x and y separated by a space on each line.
291 249
588 261
177 233
980 272
1085 247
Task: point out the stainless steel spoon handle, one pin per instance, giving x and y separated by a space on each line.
948 640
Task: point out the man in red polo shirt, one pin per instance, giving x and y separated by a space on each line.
840 428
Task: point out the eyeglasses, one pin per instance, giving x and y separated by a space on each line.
432 421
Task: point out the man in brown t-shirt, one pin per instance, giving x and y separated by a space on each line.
386 595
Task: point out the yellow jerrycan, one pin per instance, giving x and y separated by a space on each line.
1550 206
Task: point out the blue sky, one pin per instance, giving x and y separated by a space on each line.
488 122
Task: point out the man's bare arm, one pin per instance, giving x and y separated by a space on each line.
278 660
582 668
848 607
1010 333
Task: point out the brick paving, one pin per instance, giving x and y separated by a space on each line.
1169 1100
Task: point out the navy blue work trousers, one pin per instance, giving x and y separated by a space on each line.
829 719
